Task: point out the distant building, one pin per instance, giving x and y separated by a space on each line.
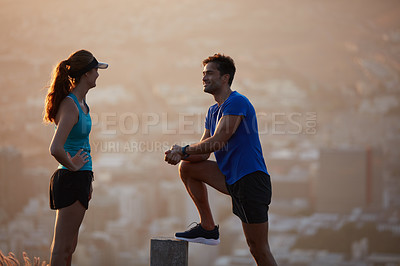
11 182
348 179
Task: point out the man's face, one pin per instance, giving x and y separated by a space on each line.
211 78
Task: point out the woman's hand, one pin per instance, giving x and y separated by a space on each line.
79 160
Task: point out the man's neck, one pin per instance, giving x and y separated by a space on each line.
221 97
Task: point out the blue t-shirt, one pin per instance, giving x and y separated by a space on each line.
78 138
242 154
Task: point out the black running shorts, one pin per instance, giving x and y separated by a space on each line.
66 187
251 196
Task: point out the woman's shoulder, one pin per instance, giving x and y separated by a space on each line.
67 110
68 102
68 107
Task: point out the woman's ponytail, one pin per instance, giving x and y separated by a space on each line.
59 89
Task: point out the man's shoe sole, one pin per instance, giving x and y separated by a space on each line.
200 240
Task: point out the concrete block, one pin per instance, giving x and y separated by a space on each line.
168 252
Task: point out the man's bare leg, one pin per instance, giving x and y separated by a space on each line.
195 175
257 240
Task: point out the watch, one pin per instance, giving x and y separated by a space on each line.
185 155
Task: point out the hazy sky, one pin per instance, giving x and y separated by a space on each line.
155 49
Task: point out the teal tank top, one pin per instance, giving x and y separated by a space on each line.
78 138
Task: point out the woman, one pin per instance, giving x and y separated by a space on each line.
71 184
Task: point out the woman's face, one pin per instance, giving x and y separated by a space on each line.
92 76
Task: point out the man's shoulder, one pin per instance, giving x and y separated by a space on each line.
236 97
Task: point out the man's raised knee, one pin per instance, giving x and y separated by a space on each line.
185 169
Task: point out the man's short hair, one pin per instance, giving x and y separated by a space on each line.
225 65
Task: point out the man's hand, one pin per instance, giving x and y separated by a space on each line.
174 155
176 148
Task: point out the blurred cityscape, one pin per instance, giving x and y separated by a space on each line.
324 78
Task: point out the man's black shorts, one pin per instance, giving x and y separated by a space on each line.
251 196
66 187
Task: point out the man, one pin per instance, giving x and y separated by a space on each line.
231 132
